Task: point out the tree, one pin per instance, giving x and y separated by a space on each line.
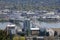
4 36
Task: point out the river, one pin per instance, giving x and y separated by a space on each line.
42 24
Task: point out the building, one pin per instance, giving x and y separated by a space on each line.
11 29
26 26
41 32
34 31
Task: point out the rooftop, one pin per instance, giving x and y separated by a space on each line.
11 25
34 28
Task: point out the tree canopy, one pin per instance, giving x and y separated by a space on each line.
4 36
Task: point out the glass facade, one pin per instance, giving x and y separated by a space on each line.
26 27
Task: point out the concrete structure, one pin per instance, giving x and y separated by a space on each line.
34 31
50 13
26 26
11 29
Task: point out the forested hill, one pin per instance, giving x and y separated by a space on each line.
36 3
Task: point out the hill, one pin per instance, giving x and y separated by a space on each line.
30 4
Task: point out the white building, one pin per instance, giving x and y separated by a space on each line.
30 12
11 29
50 13
34 31
6 10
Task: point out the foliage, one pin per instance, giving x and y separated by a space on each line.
18 37
15 38
3 35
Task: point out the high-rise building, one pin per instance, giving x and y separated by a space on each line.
26 26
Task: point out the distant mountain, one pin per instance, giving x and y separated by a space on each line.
35 3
